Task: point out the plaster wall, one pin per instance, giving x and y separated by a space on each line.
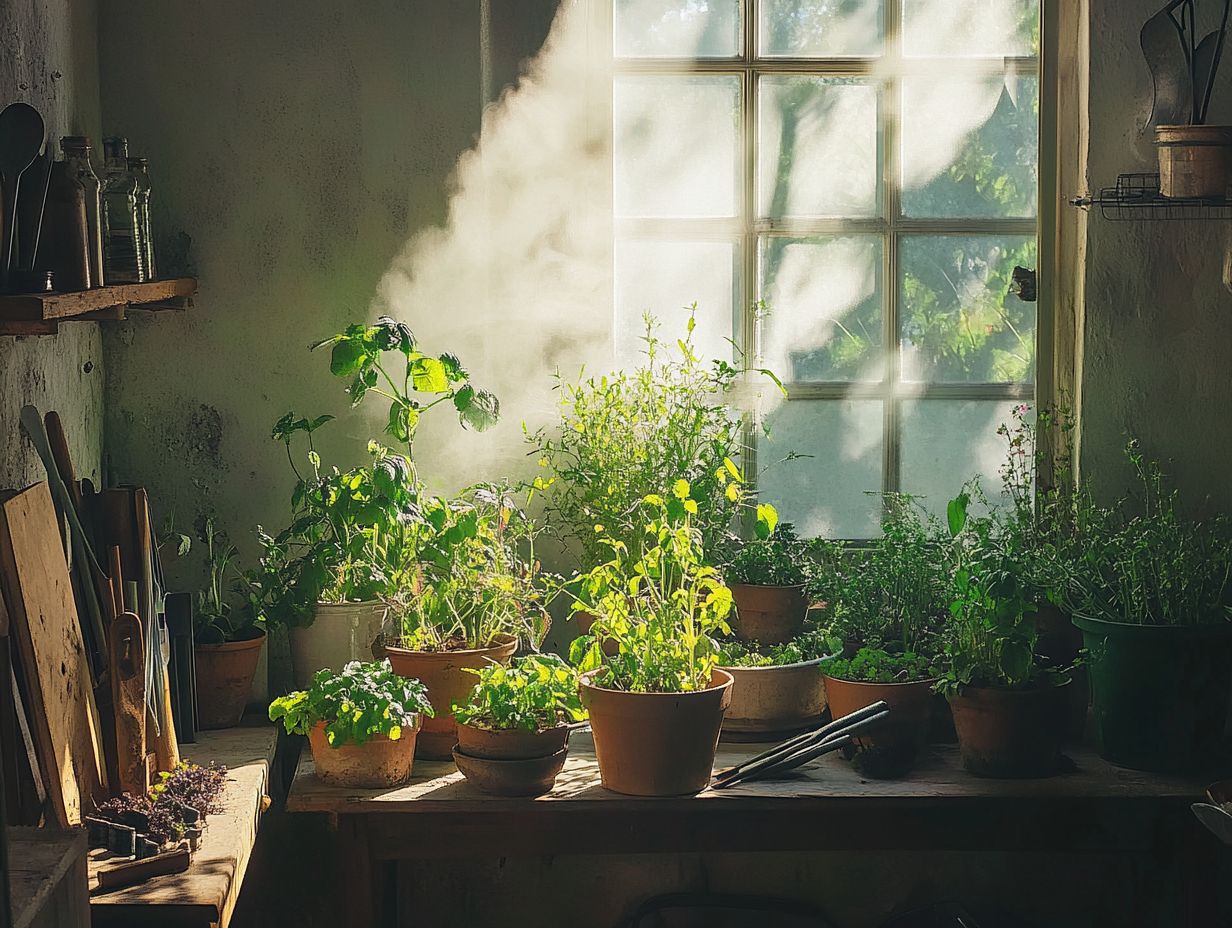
48 58
1158 326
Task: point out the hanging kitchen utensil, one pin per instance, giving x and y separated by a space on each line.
1166 50
1206 65
21 139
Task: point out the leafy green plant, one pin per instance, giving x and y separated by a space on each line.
779 560
627 435
532 693
363 701
873 665
476 576
225 609
807 646
1146 564
661 607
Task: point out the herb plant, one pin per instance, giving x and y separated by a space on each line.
779 560
808 646
532 693
661 606
873 665
627 435
191 785
225 610
363 701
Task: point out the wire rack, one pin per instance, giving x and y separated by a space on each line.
1137 197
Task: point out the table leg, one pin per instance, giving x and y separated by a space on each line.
356 871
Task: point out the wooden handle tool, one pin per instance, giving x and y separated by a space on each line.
116 876
128 697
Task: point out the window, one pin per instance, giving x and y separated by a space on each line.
868 169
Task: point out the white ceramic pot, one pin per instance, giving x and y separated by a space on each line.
341 632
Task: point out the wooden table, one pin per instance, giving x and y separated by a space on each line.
205 894
1095 807
47 878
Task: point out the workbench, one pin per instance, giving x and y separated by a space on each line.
205 894
1094 808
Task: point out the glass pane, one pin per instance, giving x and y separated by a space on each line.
947 442
817 147
821 28
827 494
959 321
676 146
970 147
824 302
664 278
994 28
677 28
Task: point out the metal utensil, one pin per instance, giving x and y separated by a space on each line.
1167 57
42 173
21 139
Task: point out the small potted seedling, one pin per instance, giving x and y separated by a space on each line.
361 723
776 691
767 577
513 728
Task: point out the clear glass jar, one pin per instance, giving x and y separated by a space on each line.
140 168
76 150
122 250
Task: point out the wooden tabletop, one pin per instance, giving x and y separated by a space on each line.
206 893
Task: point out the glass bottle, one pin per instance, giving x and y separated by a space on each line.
121 239
140 167
76 150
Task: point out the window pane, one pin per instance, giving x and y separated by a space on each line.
817 147
677 28
821 28
828 493
824 299
664 278
996 28
947 442
676 146
970 146
959 322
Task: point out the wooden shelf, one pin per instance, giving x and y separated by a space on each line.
41 313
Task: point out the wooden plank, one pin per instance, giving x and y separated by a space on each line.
439 787
47 877
60 698
128 703
206 893
35 307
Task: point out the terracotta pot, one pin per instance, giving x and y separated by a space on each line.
443 673
224 680
584 622
376 763
768 614
339 633
513 743
1194 161
767 701
530 776
1010 733
656 744
888 749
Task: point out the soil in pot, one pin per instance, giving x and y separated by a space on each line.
224 675
531 776
1159 693
770 703
445 676
511 743
888 749
375 764
768 614
1011 733
656 744
339 633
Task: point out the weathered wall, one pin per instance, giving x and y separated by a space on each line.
1158 334
48 58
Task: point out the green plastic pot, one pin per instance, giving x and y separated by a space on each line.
1159 693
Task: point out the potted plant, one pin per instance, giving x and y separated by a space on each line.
474 592
361 723
1151 597
513 727
227 637
1009 706
776 691
328 574
767 578
1195 159
656 705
